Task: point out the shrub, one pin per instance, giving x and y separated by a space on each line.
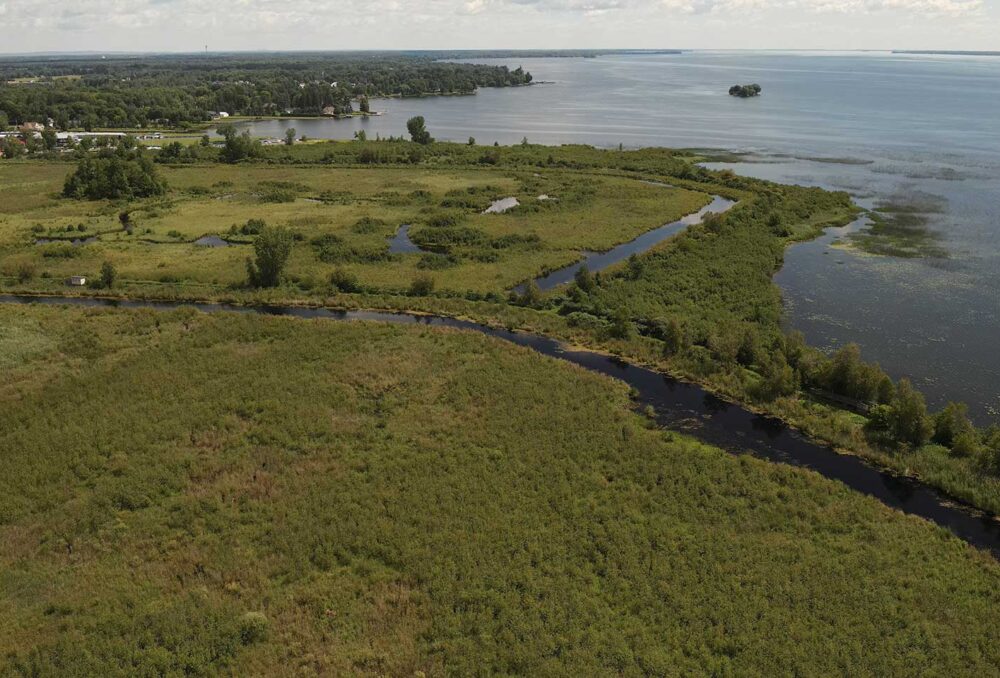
909 422
253 627
272 248
108 275
25 271
432 261
114 178
422 285
952 423
366 225
344 280
671 333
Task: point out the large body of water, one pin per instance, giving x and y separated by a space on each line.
919 130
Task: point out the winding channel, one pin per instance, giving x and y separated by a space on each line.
678 406
595 261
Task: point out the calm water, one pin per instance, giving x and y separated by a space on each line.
903 128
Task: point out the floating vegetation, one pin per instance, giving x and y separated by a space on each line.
901 229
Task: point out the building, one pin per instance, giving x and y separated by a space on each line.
32 127
76 281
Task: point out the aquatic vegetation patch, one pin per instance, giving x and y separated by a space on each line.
900 227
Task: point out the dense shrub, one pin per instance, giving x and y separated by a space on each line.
114 178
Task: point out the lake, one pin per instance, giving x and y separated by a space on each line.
914 130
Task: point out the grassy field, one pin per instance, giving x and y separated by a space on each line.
490 252
191 494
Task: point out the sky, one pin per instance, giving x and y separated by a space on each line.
191 25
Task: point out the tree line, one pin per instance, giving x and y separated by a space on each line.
176 90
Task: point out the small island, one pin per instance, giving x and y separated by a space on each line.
745 91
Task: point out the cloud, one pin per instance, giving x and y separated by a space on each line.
264 19
589 7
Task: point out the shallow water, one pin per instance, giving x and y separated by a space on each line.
401 243
211 241
903 128
678 406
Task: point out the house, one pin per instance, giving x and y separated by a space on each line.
32 127
76 281
329 110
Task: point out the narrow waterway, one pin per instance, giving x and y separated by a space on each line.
596 261
678 406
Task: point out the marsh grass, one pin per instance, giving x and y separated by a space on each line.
241 494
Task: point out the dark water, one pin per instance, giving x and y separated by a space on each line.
678 405
912 129
596 261
401 243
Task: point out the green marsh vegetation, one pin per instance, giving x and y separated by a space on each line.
310 498
701 305
900 228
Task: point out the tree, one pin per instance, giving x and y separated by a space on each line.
621 325
671 332
4 120
364 106
11 148
238 146
290 136
115 178
777 379
908 420
422 285
953 429
361 135
472 141
584 279
344 281
532 295
418 130
108 275
272 249
49 138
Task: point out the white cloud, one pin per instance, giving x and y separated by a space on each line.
428 24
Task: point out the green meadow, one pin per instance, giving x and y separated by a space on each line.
340 217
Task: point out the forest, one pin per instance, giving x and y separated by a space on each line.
176 90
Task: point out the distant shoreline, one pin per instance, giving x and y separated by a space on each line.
969 52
